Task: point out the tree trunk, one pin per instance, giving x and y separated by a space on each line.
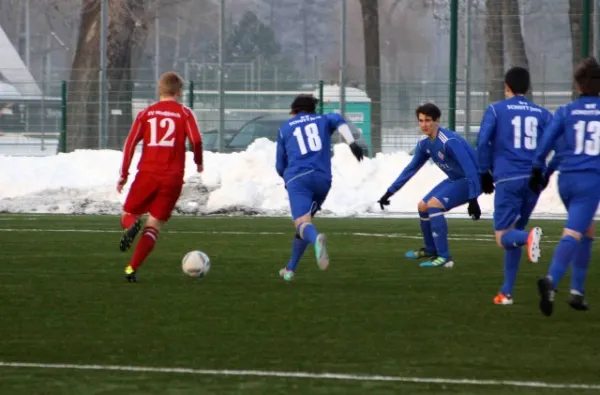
494 50
514 36
575 20
83 91
370 14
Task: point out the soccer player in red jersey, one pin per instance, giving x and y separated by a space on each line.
163 128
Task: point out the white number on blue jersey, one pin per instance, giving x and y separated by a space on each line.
312 137
587 143
530 140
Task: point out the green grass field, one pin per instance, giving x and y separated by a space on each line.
64 301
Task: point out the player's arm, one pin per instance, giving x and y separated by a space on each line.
195 138
485 148
418 160
281 163
338 123
485 140
136 133
469 168
552 133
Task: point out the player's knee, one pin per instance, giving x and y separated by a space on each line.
154 222
422 207
499 239
434 203
590 232
573 233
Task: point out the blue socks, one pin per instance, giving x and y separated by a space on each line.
512 259
439 231
426 230
563 255
514 238
309 233
298 248
580 264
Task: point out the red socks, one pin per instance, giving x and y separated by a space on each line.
127 220
144 246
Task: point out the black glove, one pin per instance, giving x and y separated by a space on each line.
385 200
537 180
474 210
357 151
487 183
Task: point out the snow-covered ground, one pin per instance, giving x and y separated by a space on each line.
246 182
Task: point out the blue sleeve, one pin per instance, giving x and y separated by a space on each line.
551 134
418 160
281 163
334 120
553 165
460 153
485 139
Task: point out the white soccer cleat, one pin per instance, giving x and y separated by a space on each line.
321 252
533 244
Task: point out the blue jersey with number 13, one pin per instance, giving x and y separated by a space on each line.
303 144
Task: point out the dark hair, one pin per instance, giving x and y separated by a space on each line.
518 80
587 76
304 103
430 110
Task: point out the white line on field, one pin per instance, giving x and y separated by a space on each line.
458 237
303 375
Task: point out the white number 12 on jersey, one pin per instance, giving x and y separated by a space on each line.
312 136
168 140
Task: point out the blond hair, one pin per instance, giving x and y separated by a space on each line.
170 84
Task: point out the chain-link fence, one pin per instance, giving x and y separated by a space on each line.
260 82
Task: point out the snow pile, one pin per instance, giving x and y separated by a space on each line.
245 182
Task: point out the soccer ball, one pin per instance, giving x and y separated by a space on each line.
195 264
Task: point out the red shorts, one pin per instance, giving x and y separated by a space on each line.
154 194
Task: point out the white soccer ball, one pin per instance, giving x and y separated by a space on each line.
195 264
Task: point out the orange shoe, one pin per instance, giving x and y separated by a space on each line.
533 244
502 299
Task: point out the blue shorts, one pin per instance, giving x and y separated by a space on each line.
513 204
307 193
450 193
580 193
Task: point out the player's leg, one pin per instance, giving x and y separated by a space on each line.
579 270
306 196
513 205
161 208
143 189
428 251
580 197
447 195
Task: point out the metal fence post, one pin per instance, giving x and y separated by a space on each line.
63 126
191 95
321 83
453 61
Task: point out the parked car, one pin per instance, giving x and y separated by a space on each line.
210 139
268 126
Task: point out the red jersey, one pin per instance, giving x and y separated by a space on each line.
164 127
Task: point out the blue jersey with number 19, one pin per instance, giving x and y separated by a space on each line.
303 145
508 137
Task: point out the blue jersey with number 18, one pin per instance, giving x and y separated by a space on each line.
303 144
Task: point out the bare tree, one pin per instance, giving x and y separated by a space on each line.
514 35
127 31
576 19
494 50
370 15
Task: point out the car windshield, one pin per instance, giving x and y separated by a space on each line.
254 130
209 140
